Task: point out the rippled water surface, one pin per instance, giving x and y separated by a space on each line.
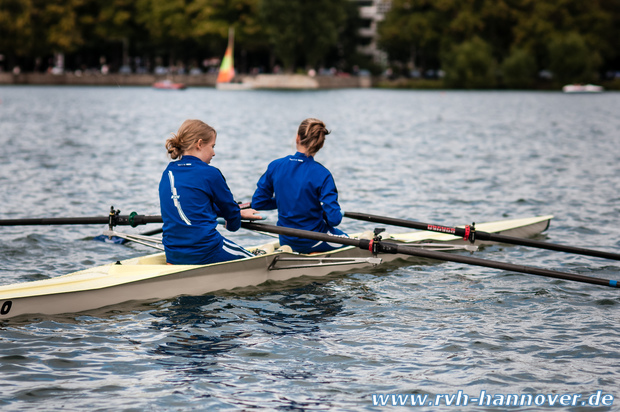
443 157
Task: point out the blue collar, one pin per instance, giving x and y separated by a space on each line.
187 160
188 157
303 156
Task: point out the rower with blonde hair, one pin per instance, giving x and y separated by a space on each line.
192 195
303 191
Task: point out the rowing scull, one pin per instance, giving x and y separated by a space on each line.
149 278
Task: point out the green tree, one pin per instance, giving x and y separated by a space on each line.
33 27
519 70
412 31
542 22
426 31
109 27
183 27
302 32
470 65
211 19
345 53
114 19
61 23
214 17
420 31
164 20
571 60
16 34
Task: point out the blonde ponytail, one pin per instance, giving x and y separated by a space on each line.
188 134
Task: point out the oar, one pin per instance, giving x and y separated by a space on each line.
469 233
113 219
380 246
130 220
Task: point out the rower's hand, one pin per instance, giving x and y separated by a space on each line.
250 214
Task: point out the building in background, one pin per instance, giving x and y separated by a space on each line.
372 12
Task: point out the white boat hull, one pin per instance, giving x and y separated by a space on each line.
582 88
149 278
234 86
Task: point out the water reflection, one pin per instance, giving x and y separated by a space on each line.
204 327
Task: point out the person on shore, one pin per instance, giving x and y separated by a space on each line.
303 191
192 195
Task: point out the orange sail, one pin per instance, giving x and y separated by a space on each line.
227 68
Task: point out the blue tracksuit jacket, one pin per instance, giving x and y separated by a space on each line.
192 195
305 195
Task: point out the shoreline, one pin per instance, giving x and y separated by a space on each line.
257 82
261 81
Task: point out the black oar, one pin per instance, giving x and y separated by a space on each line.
114 219
469 233
381 246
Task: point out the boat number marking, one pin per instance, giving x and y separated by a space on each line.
6 307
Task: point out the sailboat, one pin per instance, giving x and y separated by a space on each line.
226 75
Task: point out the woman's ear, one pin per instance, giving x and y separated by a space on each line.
298 139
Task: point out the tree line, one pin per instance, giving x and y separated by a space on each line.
476 43
485 43
290 33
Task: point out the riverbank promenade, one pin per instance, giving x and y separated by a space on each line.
261 81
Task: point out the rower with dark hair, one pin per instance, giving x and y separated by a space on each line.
303 191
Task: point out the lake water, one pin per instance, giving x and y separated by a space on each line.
436 329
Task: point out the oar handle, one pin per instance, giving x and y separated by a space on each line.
469 233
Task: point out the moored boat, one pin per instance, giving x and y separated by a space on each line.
582 88
149 278
234 85
169 85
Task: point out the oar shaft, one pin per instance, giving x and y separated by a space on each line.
55 221
506 266
493 237
480 235
306 234
398 222
395 248
96 220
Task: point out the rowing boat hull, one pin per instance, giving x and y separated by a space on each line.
148 278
